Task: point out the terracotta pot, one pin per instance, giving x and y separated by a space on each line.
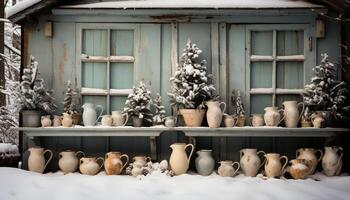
291 113
205 163
229 120
46 121
76 118
250 161
179 161
240 121
31 118
113 163
299 169
272 117
68 161
136 121
309 154
90 166
36 160
193 117
273 165
215 113
67 120
226 168
257 120
332 162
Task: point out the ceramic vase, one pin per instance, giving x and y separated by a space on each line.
215 113
257 120
229 120
332 162
240 121
68 161
67 120
272 117
250 161
170 121
299 169
179 161
119 118
226 168
57 121
114 164
106 120
318 120
46 121
291 113
89 115
36 160
90 166
273 166
309 154
205 163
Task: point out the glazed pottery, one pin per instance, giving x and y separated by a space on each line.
250 161
299 169
89 114
141 161
106 120
272 117
119 118
36 160
226 168
205 163
31 118
114 164
76 117
318 120
179 161
273 165
192 117
240 121
67 120
57 120
136 121
90 166
257 120
215 113
332 162
68 161
291 113
46 121
170 121
309 154
229 120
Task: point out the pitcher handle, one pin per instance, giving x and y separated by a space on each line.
47 162
285 164
251 121
297 153
341 155
149 159
236 121
241 153
126 118
103 160
263 152
302 110
283 115
79 152
101 112
321 155
238 167
127 161
223 103
192 148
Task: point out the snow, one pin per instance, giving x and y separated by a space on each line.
20 6
22 184
7 148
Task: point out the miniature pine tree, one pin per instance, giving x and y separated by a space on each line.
138 103
236 100
159 115
8 123
70 100
190 83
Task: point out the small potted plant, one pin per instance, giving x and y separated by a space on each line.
137 105
191 86
238 109
306 118
159 115
71 103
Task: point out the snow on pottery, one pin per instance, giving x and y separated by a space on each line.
309 154
226 168
205 163
67 120
119 118
318 120
192 117
250 161
257 120
273 166
136 121
229 120
106 120
291 113
215 113
141 160
57 120
272 117
68 161
170 121
90 166
179 161
46 121
31 118
240 120
89 114
299 169
36 160
332 162
114 164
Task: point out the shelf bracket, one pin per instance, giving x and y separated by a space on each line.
153 147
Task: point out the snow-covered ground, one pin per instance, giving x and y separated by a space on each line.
20 184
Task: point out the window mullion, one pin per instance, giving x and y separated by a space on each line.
274 71
108 70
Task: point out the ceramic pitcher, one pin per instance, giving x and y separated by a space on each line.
119 118
46 121
179 161
170 121
291 113
299 169
106 120
205 163
57 120
114 164
67 120
229 120
332 162
90 166
273 165
250 161
257 120
318 120
226 168
36 160
141 161
309 154
272 117
89 115
214 113
68 161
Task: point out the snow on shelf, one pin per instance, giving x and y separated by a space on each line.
7 149
20 6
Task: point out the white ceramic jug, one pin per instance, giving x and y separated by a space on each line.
291 113
205 163
119 118
272 117
36 160
273 165
250 161
179 161
332 162
90 166
226 168
68 161
214 113
89 114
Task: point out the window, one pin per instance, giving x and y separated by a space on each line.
106 64
275 64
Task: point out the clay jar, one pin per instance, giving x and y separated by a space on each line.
309 154
229 120
46 121
68 161
226 168
272 117
257 120
332 162
318 120
179 161
205 163
90 166
119 118
114 164
106 120
299 169
273 165
192 117
141 161
291 113
57 120
240 120
215 113
67 120
250 161
36 160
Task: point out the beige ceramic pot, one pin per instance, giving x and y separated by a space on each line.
226 168
291 113
90 166
309 154
250 161
273 165
229 120
57 120
318 120
240 121
170 121
67 120
215 113
106 120
305 124
257 120
68 161
332 162
179 161
272 117
114 164
141 161
76 118
299 169
119 118
193 117
46 121
36 160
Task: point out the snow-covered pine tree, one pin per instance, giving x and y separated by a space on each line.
159 115
191 84
70 99
236 99
8 123
138 103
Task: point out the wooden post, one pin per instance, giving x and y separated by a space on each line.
2 66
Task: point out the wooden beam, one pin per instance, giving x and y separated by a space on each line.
2 66
123 59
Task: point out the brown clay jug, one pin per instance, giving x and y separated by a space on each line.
114 164
309 154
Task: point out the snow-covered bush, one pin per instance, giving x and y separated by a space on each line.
236 99
8 123
159 115
71 99
191 84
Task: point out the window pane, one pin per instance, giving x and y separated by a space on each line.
261 42
94 75
290 43
259 102
96 100
287 97
290 75
95 42
117 103
122 75
122 42
261 75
